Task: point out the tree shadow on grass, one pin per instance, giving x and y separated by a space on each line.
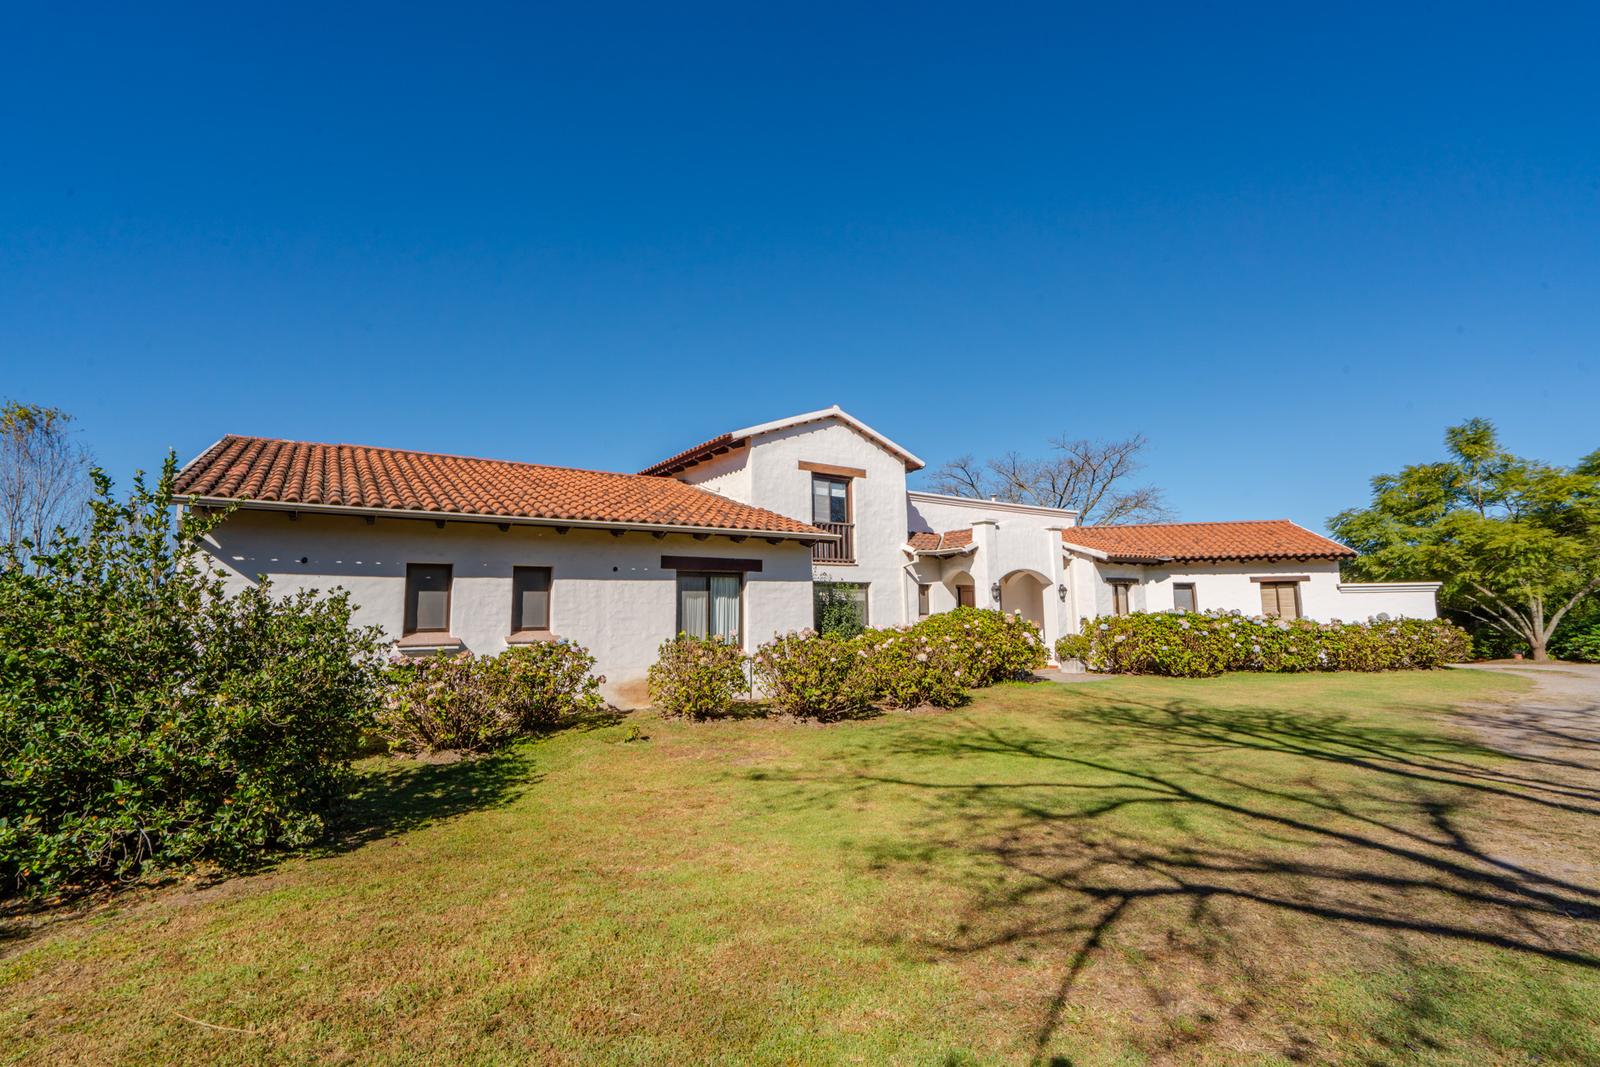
398 796
1191 859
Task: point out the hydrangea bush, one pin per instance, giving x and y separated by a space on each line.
473 703
1191 645
812 675
697 677
913 666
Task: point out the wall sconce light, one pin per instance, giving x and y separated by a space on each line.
1061 591
994 591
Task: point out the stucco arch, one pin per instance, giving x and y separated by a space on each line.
953 582
1023 591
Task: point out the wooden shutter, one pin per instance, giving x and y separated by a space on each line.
1280 600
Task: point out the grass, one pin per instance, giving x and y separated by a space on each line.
1243 870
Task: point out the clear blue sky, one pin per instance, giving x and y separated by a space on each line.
1289 247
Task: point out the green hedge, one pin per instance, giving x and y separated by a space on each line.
935 662
1190 645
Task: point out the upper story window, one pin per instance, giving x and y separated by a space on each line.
427 598
830 498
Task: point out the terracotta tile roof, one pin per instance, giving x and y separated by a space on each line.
941 542
362 478
1203 541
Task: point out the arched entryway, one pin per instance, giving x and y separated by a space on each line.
1023 592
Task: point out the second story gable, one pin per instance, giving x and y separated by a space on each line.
822 467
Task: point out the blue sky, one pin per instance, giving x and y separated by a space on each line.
593 238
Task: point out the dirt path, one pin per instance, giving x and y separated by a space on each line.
1559 720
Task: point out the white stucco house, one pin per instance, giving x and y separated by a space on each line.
732 537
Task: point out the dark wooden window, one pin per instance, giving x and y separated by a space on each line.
830 498
1280 600
923 589
1119 597
708 605
966 596
844 596
427 598
530 598
1183 598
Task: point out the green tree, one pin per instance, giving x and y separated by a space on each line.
1516 542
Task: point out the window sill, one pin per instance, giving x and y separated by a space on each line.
429 642
531 637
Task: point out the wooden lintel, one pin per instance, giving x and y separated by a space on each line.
829 468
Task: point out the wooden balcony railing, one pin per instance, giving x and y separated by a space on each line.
840 551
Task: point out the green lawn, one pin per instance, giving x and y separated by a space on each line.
1245 870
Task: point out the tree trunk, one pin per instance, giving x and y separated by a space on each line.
1539 653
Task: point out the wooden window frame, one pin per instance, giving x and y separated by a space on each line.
849 496
1194 595
866 600
972 591
408 621
677 597
1299 606
924 599
517 621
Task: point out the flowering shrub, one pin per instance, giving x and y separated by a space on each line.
1189 645
812 675
475 703
696 676
909 667
992 646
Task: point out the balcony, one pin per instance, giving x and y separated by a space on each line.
840 551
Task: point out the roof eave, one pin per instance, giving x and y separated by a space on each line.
516 520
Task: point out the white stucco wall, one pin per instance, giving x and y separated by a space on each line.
1228 587
609 594
767 473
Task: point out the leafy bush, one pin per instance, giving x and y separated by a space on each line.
906 668
992 646
476 703
812 675
1073 646
1584 646
149 718
696 677
1189 645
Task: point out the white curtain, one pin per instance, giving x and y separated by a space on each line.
725 606
693 610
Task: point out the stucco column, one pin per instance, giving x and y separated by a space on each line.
1057 610
984 533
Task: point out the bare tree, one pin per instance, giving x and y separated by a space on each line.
1091 477
44 475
